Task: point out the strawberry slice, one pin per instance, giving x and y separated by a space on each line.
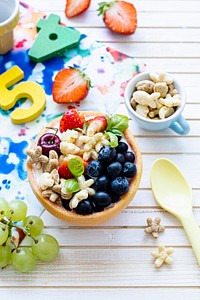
98 124
70 85
63 170
119 16
71 119
76 7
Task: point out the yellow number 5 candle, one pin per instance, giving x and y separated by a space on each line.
31 90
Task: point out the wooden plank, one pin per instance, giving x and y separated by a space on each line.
64 293
153 20
189 164
144 198
141 6
132 267
174 65
115 237
146 35
134 217
158 50
169 145
138 131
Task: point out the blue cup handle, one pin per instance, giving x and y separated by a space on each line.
180 126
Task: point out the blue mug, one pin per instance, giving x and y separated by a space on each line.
175 122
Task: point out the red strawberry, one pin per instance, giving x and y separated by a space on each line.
71 119
70 85
63 170
119 16
98 124
76 7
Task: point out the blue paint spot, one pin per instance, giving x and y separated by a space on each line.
8 167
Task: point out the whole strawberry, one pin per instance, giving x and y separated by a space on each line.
71 119
70 85
119 16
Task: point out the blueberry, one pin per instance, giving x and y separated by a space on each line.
129 156
106 154
119 138
97 208
120 158
114 169
84 207
119 186
122 147
102 199
129 169
94 168
114 197
101 183
65 204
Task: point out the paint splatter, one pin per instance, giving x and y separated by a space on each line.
12 157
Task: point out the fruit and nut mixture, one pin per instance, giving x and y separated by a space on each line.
156 99
86 165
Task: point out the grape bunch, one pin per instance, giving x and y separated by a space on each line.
43 246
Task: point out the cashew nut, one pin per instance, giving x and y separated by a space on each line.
146 86
171 101
162 88
153 113
165 112
161 77
142 110
171 90
144 98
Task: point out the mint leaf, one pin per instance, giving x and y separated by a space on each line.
113 139
118 122
116 132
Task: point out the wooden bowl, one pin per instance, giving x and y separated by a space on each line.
98 217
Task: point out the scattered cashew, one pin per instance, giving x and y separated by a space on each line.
162 255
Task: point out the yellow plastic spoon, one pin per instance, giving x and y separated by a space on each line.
173 194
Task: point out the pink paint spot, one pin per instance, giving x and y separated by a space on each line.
22 132
20 44
118 56
103 89
122 87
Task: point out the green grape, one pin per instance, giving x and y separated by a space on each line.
34 224
23 259
5 254
4 207
3 233
19 209
45 247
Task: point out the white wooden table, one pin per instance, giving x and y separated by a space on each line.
113 261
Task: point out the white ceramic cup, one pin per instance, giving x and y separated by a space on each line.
175 122
9 17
